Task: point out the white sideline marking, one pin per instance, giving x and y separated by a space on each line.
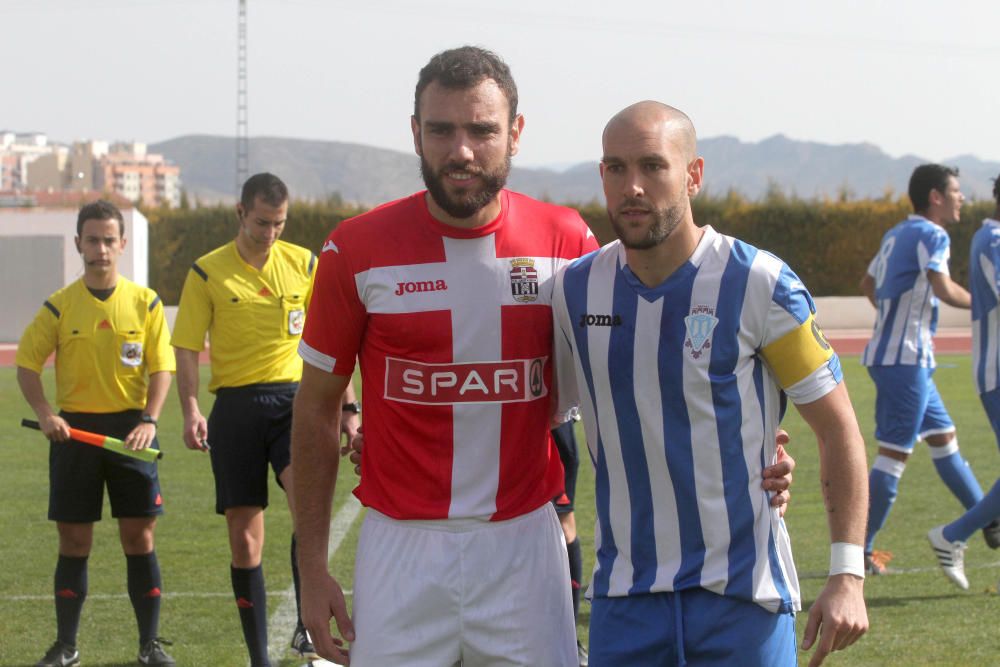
282 622
901 570
124 596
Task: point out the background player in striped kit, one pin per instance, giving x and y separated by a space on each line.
682 343
949 541
904 281
251 296
113 365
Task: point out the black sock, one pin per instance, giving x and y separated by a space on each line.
70 592
575 572
144 590
251 600
295 581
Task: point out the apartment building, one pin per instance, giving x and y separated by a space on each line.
28 163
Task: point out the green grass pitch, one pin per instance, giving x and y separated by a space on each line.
917 616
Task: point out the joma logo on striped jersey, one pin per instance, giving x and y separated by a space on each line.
509 381
420 286
590 320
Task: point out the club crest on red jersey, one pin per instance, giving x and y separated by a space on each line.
523 279
700 325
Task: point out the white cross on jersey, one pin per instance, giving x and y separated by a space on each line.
453 330
478 286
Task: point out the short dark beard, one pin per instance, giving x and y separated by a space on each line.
665 221
493 183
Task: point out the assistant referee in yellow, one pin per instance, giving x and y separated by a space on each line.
113 364
251 297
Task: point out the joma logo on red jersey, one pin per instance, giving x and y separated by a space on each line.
443 384
420 286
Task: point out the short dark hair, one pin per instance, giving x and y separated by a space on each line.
464 68
996 190
101 209
267 186
925 178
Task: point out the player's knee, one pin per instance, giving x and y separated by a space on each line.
137 545
890 465
948 440
246 544
894 454
75 539
136 535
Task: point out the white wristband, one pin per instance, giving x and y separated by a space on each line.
847 558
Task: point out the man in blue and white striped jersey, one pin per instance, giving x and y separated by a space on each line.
949 541
904 282
680 344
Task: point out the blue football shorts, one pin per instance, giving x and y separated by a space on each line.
907 406
694 627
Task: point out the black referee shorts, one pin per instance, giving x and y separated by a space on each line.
565 440
249 428
78 473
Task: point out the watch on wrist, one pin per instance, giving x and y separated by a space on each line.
354 407
147 419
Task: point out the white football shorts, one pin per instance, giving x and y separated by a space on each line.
463 592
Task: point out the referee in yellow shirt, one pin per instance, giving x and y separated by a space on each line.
113 364
251 297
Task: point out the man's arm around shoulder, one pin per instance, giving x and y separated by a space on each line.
315 461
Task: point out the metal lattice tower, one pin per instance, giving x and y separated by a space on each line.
242 132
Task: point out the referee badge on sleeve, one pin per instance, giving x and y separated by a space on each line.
131 353
296 321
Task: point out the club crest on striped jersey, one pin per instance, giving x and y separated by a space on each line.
700 325
523 279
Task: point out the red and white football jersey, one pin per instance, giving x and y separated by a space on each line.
453 330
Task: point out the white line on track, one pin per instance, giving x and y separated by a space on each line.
282 623
123 596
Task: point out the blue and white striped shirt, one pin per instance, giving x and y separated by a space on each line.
984 284
907 308
680 386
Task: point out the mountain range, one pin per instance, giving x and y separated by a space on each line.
369 175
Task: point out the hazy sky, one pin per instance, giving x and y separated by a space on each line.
909 76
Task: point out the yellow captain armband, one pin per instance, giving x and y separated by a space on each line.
798 353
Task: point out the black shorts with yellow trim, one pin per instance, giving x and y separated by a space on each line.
565 440
79 472
250 428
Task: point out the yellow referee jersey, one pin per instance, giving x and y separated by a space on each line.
105 350
254 319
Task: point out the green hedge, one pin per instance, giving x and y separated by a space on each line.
177 237
828 243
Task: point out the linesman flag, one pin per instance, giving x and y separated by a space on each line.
104 441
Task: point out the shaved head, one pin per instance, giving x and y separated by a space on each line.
652 116
650 171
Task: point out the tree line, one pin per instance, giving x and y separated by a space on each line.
828 243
